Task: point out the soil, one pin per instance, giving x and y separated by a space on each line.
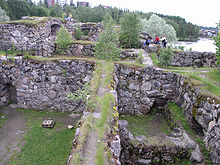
11 134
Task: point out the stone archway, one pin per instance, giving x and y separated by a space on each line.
54 29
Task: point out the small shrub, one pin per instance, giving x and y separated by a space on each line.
63 38
78 32
165 56
84 95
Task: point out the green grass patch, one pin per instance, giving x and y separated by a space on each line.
105 103
61 58
214 75
83 42
178 117
26 22
145 124
131 64
44 146
109 69
208 85
99 154
2 119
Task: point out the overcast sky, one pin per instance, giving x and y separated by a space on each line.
200 12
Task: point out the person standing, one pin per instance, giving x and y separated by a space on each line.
164 42
157 40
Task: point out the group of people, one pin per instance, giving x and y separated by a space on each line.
157 41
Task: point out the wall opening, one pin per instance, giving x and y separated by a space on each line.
54 29
12 94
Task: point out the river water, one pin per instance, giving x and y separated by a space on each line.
202 45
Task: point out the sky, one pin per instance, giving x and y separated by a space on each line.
200 12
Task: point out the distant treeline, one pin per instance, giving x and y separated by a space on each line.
209 28
17 8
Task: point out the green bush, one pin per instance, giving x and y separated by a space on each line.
165 56
78 32
63 38
130 31
107 46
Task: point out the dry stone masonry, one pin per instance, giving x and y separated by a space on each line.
194 59
44 85
140 89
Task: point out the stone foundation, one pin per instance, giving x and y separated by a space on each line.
45 85
140 89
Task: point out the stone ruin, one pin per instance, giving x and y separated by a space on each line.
139 90
44 85
41 35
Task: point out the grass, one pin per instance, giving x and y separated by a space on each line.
178 117
130 64
26 22
109 69
2 119
142 125
214 75
102 124
83 42
44 146
208 85
61 58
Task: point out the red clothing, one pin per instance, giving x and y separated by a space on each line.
157 39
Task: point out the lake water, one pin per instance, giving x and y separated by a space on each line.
202 45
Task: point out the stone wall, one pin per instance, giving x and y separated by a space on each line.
41 36
22 33
140 89
194 59
44 85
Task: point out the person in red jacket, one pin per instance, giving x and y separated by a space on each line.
157 40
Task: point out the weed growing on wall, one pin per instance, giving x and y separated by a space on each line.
84 95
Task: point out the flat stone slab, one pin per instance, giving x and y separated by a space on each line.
48 124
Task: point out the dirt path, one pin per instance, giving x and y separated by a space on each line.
89 154
147 59
11 134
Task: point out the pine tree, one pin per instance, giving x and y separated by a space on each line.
63 38
107 46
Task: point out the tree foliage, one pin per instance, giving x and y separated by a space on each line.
63 38
157 26
3 15
18 8
107 46
217 43
130 30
